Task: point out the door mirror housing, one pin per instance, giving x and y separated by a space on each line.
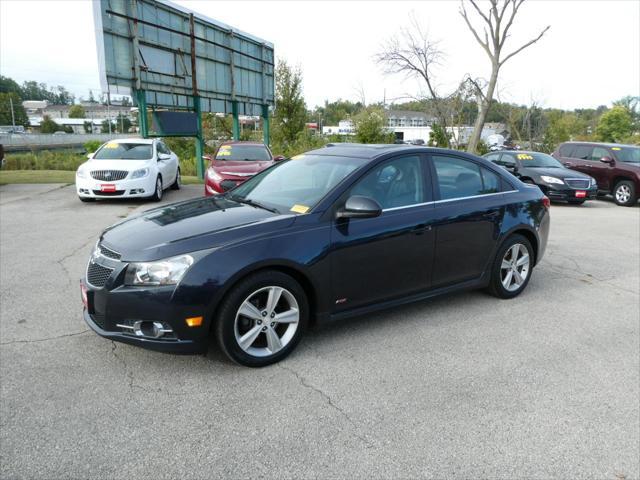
358 206
163 156
279 158
607 160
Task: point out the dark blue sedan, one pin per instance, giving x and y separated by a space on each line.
335 232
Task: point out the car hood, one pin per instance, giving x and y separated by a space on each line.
190 226
128 165
558 172
242 168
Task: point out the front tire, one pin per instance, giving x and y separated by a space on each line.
624 193
178 182
512 267
157 195
262 319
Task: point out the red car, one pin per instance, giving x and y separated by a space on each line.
234 163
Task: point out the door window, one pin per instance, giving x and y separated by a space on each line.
507 161
396 183
494 157
459 178
598 153
582 152
566 150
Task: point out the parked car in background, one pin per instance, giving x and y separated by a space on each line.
555 181
616 167
234 163
340 231
128 168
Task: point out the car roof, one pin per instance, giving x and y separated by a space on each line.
242 142
132 140
516 152
371 151
604 144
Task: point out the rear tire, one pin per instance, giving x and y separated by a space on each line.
157 195
514 255
178 182
624 193
247 327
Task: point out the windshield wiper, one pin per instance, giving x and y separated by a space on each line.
253 203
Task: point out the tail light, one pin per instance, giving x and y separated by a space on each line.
546 202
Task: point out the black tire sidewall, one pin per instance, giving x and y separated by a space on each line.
632 199
176 183
157 196
495 286
225 318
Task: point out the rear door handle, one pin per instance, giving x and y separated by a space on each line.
492 214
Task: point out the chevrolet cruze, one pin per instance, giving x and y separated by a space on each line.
340 231
128 168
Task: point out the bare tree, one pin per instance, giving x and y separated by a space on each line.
414 54
497 22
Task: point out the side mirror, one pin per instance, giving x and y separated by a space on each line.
163 156
358 206
607 160
279 158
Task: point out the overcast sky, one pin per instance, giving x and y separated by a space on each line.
589 57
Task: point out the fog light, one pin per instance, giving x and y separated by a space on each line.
194 321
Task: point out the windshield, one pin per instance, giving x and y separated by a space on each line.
627 154
249 153
124 151
297 185
538 160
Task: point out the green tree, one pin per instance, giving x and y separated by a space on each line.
77 111
49 126
123 124
615 125
104 127
438 137
20 116
370 126
291 112
8 85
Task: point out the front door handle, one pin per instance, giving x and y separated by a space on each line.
491 215
420 229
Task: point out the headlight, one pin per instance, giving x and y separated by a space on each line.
80 173
143 172
162 272
551 180
213 175
593 182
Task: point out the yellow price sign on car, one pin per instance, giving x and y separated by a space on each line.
524 156
111 145
300 209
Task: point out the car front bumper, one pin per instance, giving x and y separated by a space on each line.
137 188
564 193
113 314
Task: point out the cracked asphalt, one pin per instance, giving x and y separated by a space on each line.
464 386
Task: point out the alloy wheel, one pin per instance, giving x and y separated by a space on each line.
515 267
159 189
266 321
623 193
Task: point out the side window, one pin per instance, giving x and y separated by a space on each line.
582 152
396 183
599 152
494 157
507 161
459 178
566 150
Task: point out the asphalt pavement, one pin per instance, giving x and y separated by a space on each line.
463 386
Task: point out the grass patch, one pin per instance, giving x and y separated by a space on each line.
57 176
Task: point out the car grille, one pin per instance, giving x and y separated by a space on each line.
97 275
115 193
577 182
109 253
227 185
109 175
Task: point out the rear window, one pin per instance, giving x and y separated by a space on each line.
239 153
460 178
583 152
124 151
566 150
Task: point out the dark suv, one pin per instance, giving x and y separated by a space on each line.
616 167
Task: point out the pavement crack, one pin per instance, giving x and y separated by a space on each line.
330 402
38 340
69 255
122 361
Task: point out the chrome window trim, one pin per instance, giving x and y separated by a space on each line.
446 200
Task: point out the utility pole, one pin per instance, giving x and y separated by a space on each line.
108 112
13 118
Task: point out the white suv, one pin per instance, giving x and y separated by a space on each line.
128 168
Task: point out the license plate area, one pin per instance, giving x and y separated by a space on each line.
581 194
107 187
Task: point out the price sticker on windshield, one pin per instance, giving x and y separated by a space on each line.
524 156
300 209
111 145
297 157
616 148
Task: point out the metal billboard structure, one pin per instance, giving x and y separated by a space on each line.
179 64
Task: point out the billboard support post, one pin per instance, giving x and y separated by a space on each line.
236 120
142 113
265 124
199 138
